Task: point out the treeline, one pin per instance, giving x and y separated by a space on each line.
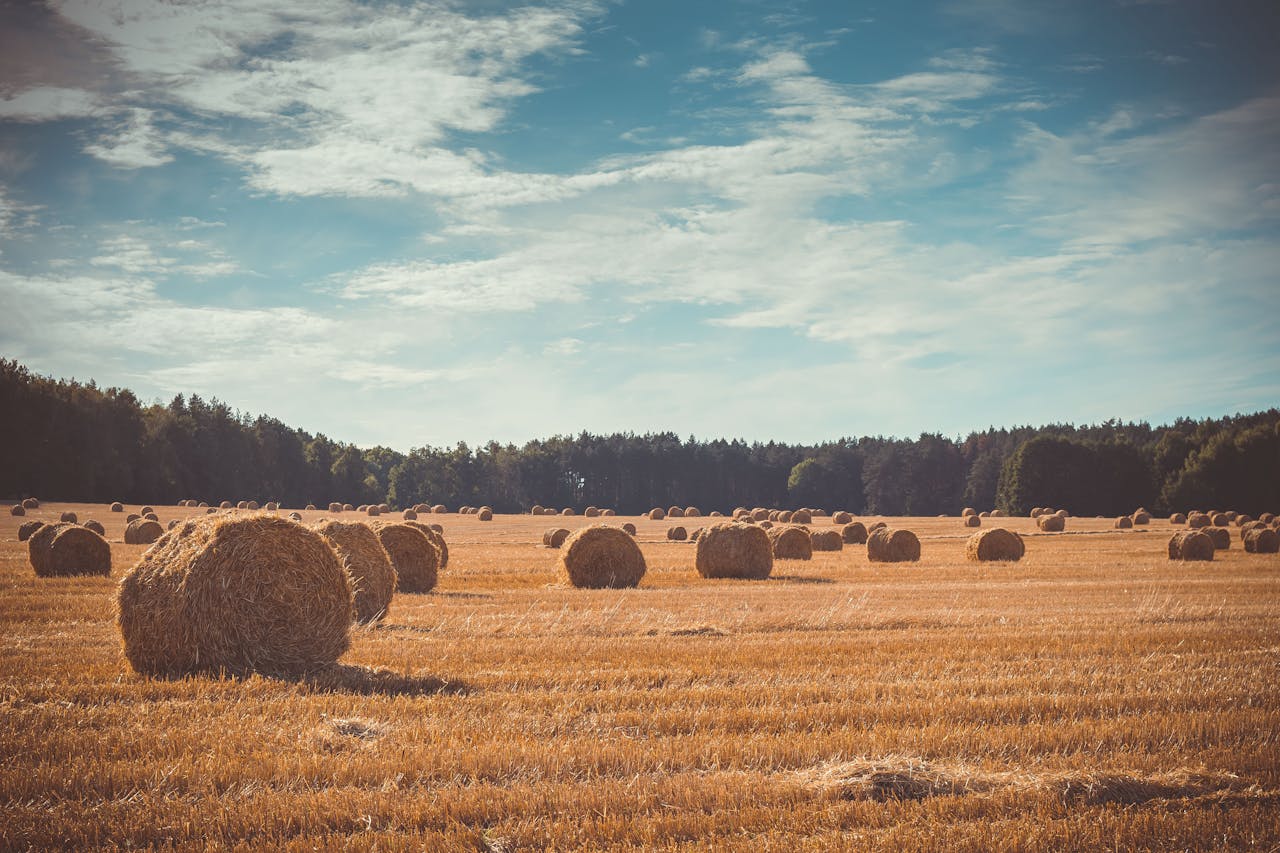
72 441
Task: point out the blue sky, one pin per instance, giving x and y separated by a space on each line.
415 223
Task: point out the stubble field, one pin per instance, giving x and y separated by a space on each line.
1092 696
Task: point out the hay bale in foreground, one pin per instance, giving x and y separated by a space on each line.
600 557
1221 537
791 543
841 518
854 533
677 534
886 545
27 528
1262 540
117 507
971 520
142 531
996 544
366 562
238 594
1191 545
414 556
827 540
65 549
554 537
733 550
1052 523
1124 522
95 526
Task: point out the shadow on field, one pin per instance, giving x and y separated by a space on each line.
799 579
472 595
366 681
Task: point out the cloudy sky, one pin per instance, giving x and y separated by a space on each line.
421 222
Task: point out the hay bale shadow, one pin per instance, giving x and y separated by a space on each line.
366 681
799 579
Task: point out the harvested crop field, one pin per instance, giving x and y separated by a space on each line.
1093 695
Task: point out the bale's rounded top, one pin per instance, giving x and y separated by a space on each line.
602 557
734 550
995 543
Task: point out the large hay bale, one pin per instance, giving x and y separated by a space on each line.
486 514
1220 519
435 533
1262 540
31 503
68 517
972 520
692 512
1124 522
776 515
554 537
677 534
600 556
791 543
854 533
414 556
1052 523
66 548
27 528
95 526
995 544
841 518
802 516
366 562
886 545
236 594
657 514
1141 517
1177 518
1198 520
732 550
1191 545
117 507
17 509
827 540
142 531
1221 537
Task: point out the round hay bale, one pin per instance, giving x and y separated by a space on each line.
235 594
362 508
995 544
967 511
1252 525
334 506
147 509
309 508
675 512
536 509
172 524
409 515
1262 540
759 514
971 520
608 513
435 533
1142 517
438 528
1191 545
1177 518
791 543
553 537
384 508
776 515
439 509
766 525
150 516
629 527
226 505
65 549
17 509
1221 537
997 513
1036 511
1124 522
841 518
715 513
740 511
210 511
295 516
827 540
251 505
802 516
854 533
696 534
1230 514
731 550
601 557
272 506
566 511
68 517
657 514
782 516
1052 523
27 528
984 514
818 513
348 508
202 505
486 514
692 512
422 509
1062 513
31 503
591 512
133 516
117 507
677 534
1267 517
366 562
1220 519
885 545
242 504
1198 520
1241 520
413 554
879 525
373 510
142 531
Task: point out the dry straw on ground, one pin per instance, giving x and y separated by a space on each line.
1262 540
600 556
236 594
996 543
734 551
66 548
373 578
1191 545
886 545
827 540
142 531
791 543
1052 523
414 556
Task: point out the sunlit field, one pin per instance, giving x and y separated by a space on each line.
1093 696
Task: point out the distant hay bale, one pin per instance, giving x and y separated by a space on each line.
373 510
715 513
172 524
296 516
696 534
1221 537
1191 545
422 509
677 534
1267 517
68 517
1220 519
536 509
27 528
210 510
362 508
692 512
384 508
782 516
252 505
554 537
1141 517
147 509
142 531
95 526
435 533
1036 511
740 511
591 512
348 508
776 515
117 507
984 514
1062 513
1250 525
151 516
334 506
272 506
486 514
601 557
818 513
791 543
995 545
879 525
886 545
759 514
414 556
608 513
967 511
827 540
1230 514
841 518
566 511
1198 519
1262 540
479 510
202 505
766 525
731 550
971 520
242 504
65 549
439 509
309 508
802 516
675 512
997 513
409 515
133 516
225 505
629 527
31 503
657 514
1124 522
236 594
366 562
1241 520
1177 518
1052 523
854 533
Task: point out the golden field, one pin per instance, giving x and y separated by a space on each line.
1092 696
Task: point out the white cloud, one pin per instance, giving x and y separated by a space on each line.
136 144
47 103
136 256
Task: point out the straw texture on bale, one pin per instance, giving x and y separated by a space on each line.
827 540
17 509
854 533
142 531
734 551
1177 518
536 509
27 528
997 513
692 512
657 514
608 513
967 511
439 509
1197 520
347 508
334 506
677 534
995 544
802 516
1124 522
791 543
1142 517
421 508
435 533
675 512
236 594
151 516
591 512
554 537
971 520
784 516
69 517
373 511
117 507
629 528
1052 523
872 528
409 515
1221 537
740 511
486 514
66 548
760 514
373 578
1191 545
600 557
31 503
841 517
1251 525
414 556
1262 540
885 545
95 526
1220 519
